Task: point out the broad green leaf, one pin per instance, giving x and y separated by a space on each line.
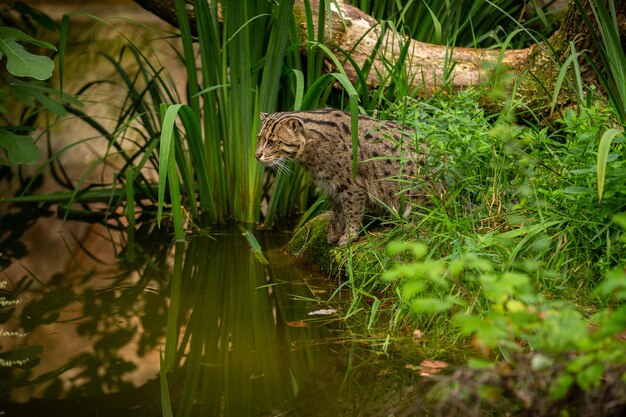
590 376
14 33
166 151
430 305
20 148
20 62
560 389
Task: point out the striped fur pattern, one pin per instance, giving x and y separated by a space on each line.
321 142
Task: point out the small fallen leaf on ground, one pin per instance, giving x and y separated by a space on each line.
323 312
297 324
430 368
427 367
417 334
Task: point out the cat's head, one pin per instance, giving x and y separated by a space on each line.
281 137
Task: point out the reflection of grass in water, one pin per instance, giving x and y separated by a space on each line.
236 356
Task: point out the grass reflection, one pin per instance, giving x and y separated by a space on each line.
236 356
231 334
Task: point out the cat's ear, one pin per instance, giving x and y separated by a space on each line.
294 124
263 116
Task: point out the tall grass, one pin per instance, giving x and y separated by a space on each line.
461 23
241 62
612 75
242 73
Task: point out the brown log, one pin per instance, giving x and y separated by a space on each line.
354 31
427 65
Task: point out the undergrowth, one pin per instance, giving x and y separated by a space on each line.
515 251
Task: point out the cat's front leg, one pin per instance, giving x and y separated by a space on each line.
353 205
337 222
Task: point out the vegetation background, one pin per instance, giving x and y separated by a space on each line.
520 256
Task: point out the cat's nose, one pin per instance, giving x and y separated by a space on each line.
258 154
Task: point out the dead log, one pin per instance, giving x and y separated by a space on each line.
429 67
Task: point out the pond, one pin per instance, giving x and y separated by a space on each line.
114 321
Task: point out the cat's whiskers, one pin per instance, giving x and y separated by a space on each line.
281 166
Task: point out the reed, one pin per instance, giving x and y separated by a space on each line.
480 23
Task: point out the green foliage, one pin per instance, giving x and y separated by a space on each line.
462 23
25 89
513 250
218 160
516 317
19 148
20 62
612 72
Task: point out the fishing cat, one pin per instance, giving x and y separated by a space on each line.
321 142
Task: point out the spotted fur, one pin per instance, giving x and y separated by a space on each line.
321 142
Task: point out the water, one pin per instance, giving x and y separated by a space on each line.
234 335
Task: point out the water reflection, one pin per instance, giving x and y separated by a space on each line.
237 356
234 333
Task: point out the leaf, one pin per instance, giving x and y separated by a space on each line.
20 148
590 376
430 305
603 157
20 62
166 151
475 363
41 93
297 324
166 403
561 387
254 245
9 32
413 287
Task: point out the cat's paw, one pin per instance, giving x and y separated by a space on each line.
332 237
350 234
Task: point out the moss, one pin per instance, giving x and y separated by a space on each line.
311 251
308 245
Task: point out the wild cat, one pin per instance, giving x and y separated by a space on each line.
321 142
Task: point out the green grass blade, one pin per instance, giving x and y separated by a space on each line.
299 88
189 54
436 25
171 335
166 150
603 157
573 57
166 403
177 213
254 245
272 71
